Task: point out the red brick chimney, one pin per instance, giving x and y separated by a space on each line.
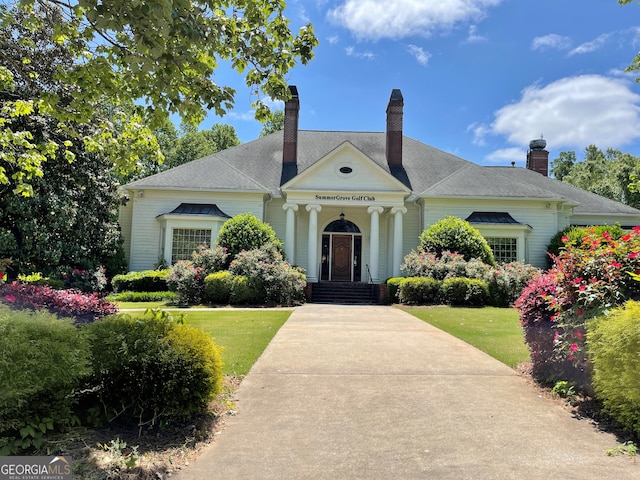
538 157
394 128
291 111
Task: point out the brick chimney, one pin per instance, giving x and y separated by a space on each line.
394 128
538 157
291 112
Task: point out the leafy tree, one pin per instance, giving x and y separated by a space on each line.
609 173
70 219
162 55
274 124
196 144
246 232
457 236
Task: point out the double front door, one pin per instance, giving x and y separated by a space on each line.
341 257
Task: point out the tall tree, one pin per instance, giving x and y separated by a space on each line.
70 219
608 173
274 124
160 54
194 144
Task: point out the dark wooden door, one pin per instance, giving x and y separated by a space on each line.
341 258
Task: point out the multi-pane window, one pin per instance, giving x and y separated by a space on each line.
505 250
186 240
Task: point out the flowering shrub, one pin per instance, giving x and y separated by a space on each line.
274 280
187 281
590 277
505 281
66 303
211 260
87 281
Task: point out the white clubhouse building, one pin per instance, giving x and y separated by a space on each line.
349 206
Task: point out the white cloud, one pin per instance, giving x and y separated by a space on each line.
352 52
376 19
570 112
473 36
333 39
420 55
552 41
591 46
507 155
248 116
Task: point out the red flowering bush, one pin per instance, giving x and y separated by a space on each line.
588 278
65 303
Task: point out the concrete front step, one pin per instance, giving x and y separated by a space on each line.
344 292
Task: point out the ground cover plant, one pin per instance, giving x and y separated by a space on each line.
495 331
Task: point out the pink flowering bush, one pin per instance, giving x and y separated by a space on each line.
87 281
187 281
211 260
273 279
65 303
588 279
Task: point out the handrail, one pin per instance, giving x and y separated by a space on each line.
369 277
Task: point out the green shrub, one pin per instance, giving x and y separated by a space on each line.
456 235
38 279
245 232
153 368
243 293
464 291
145 281
507 281
419 290
41 366
574 235
187 281
217 288
393 289
211 260
143 297
614 343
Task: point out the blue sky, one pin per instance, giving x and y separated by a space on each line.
480 78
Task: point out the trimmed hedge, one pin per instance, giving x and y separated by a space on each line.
43 361
614 343
464 291
144 281
143 297
217 288
393 289
419 290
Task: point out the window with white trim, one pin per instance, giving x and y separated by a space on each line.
505 250
186 240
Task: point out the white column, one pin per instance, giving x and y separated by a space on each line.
374 242
397 213
312 254
290 235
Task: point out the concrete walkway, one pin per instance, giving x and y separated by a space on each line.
361 392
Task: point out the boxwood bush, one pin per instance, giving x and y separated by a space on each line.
393 289
153 368
464 291
217 288
43 361
614 343
419 290
144 281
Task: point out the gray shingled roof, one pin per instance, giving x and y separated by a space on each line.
257 167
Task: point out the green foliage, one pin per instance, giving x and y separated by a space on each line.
456 235
393 289
274 124
42 363
419 290
217 288
610 174
143 297
196 144
614 343
245 232
152 369
243 293
575 236
464 291
161 55
210 260
144 281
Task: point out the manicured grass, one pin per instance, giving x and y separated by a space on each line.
495 331
143 305
242 334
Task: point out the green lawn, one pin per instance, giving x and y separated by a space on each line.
242 334
495 331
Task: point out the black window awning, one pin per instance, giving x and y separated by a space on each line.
210 209
492 217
